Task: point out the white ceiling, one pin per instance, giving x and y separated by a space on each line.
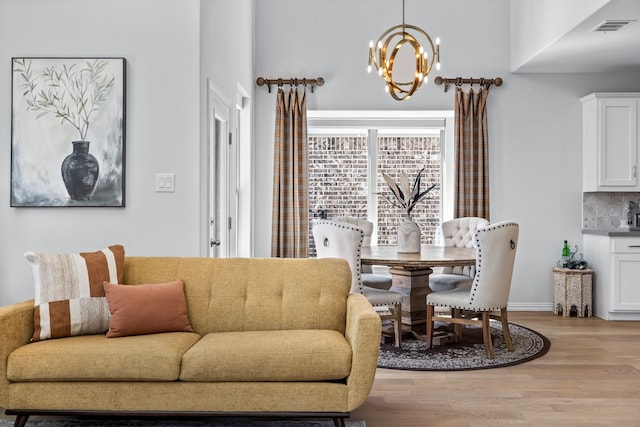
581 50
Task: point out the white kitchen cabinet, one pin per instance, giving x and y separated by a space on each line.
626 282
615 259
611 141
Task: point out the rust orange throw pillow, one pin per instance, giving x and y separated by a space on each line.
146 309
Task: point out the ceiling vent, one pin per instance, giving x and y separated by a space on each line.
612 25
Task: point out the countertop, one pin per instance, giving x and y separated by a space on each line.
622 232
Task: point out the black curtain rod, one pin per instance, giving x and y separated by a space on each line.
459 81
293 81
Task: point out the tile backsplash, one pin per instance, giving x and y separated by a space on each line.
606 211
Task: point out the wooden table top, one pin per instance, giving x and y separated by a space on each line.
429 256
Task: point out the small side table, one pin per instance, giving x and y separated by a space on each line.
572 290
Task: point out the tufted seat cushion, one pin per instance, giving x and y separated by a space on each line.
378 281
380 297
445 282
295 355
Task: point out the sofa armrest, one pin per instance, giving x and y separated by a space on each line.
16 329
363 331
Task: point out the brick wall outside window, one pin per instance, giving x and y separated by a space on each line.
338 180
409 154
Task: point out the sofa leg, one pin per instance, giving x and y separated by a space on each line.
21 420
339 422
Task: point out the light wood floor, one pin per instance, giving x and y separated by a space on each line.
589 377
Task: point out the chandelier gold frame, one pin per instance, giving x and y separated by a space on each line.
382 56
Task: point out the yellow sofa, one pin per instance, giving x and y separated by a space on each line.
272 337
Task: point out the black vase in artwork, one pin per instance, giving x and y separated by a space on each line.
80 172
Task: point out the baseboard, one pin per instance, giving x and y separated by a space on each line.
527 306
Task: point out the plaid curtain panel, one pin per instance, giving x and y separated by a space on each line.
471 180
290 213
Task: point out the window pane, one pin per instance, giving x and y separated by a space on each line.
337 176
409 154
338 179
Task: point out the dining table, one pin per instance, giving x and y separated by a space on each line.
410 273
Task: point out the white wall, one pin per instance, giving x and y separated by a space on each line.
227 61
536 24
534 120
161 41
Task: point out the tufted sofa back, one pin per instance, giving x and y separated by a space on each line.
253 294
459 232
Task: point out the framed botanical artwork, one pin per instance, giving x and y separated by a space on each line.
68 132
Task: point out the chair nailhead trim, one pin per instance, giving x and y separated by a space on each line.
476 235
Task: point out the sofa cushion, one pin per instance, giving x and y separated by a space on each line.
69 298
154 357
147 309
293 355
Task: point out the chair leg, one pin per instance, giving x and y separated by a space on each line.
457 327
397 324
486 333
21 420
429 325
505 329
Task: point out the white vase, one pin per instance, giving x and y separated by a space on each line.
408 236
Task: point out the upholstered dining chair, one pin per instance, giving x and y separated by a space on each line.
457 232
496 247
369 278
336 239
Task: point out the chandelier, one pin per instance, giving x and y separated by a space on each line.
383 53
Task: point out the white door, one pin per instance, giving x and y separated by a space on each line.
221 172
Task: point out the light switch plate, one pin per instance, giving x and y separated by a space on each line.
165 182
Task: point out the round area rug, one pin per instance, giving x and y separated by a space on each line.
468 353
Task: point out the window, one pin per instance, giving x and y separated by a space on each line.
348 151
